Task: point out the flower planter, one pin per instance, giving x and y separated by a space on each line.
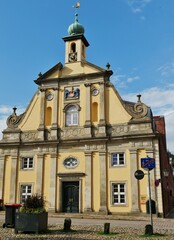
31 222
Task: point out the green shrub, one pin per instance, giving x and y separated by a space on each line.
33 204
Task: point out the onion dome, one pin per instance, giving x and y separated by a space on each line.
76 27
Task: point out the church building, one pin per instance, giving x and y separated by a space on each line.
79 143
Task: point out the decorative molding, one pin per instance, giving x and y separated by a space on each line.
95 91
55 88
108 84
70 174
71 162
49 96
87 84
72 57
137 110
71 93
47 134
72 132
13 120
94 147
118 129
42 89
29 136
72 104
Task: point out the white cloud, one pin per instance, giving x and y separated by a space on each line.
132 79
118 80
161 102
143 18
122 81
167 70
5 109
2 124
137 6
155 97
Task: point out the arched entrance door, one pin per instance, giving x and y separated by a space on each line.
70 203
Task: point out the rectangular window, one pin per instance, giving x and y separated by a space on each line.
71 119
26 190
118 193
72 116
27 163
117 159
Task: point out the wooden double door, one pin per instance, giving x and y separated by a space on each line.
70 198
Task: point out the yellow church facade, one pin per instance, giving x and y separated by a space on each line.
79 143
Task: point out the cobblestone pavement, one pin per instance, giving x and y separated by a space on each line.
86 232
90 228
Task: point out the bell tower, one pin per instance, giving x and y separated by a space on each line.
75 42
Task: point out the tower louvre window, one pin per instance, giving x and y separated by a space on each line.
73 48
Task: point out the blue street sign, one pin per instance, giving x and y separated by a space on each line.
148 163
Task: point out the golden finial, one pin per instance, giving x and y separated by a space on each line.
77 6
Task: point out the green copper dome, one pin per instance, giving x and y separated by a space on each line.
76 27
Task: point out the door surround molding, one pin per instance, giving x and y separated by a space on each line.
70 177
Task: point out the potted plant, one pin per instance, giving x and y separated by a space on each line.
32 216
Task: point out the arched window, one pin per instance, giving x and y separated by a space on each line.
73 47
95 112
71 116
48 117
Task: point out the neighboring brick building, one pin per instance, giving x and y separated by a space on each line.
166 180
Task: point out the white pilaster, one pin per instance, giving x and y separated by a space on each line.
134 182
39 174
54 126
88 104
42 115
2 164
13 179
88 183
52 194
103 187
102 105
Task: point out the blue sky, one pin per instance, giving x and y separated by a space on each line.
135 36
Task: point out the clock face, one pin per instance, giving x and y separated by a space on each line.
49 96
70 162
95 92
72 57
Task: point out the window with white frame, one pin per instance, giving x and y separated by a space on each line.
26 191
27 162
72 116
117 159
118 193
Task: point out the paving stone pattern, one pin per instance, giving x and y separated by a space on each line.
86 232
